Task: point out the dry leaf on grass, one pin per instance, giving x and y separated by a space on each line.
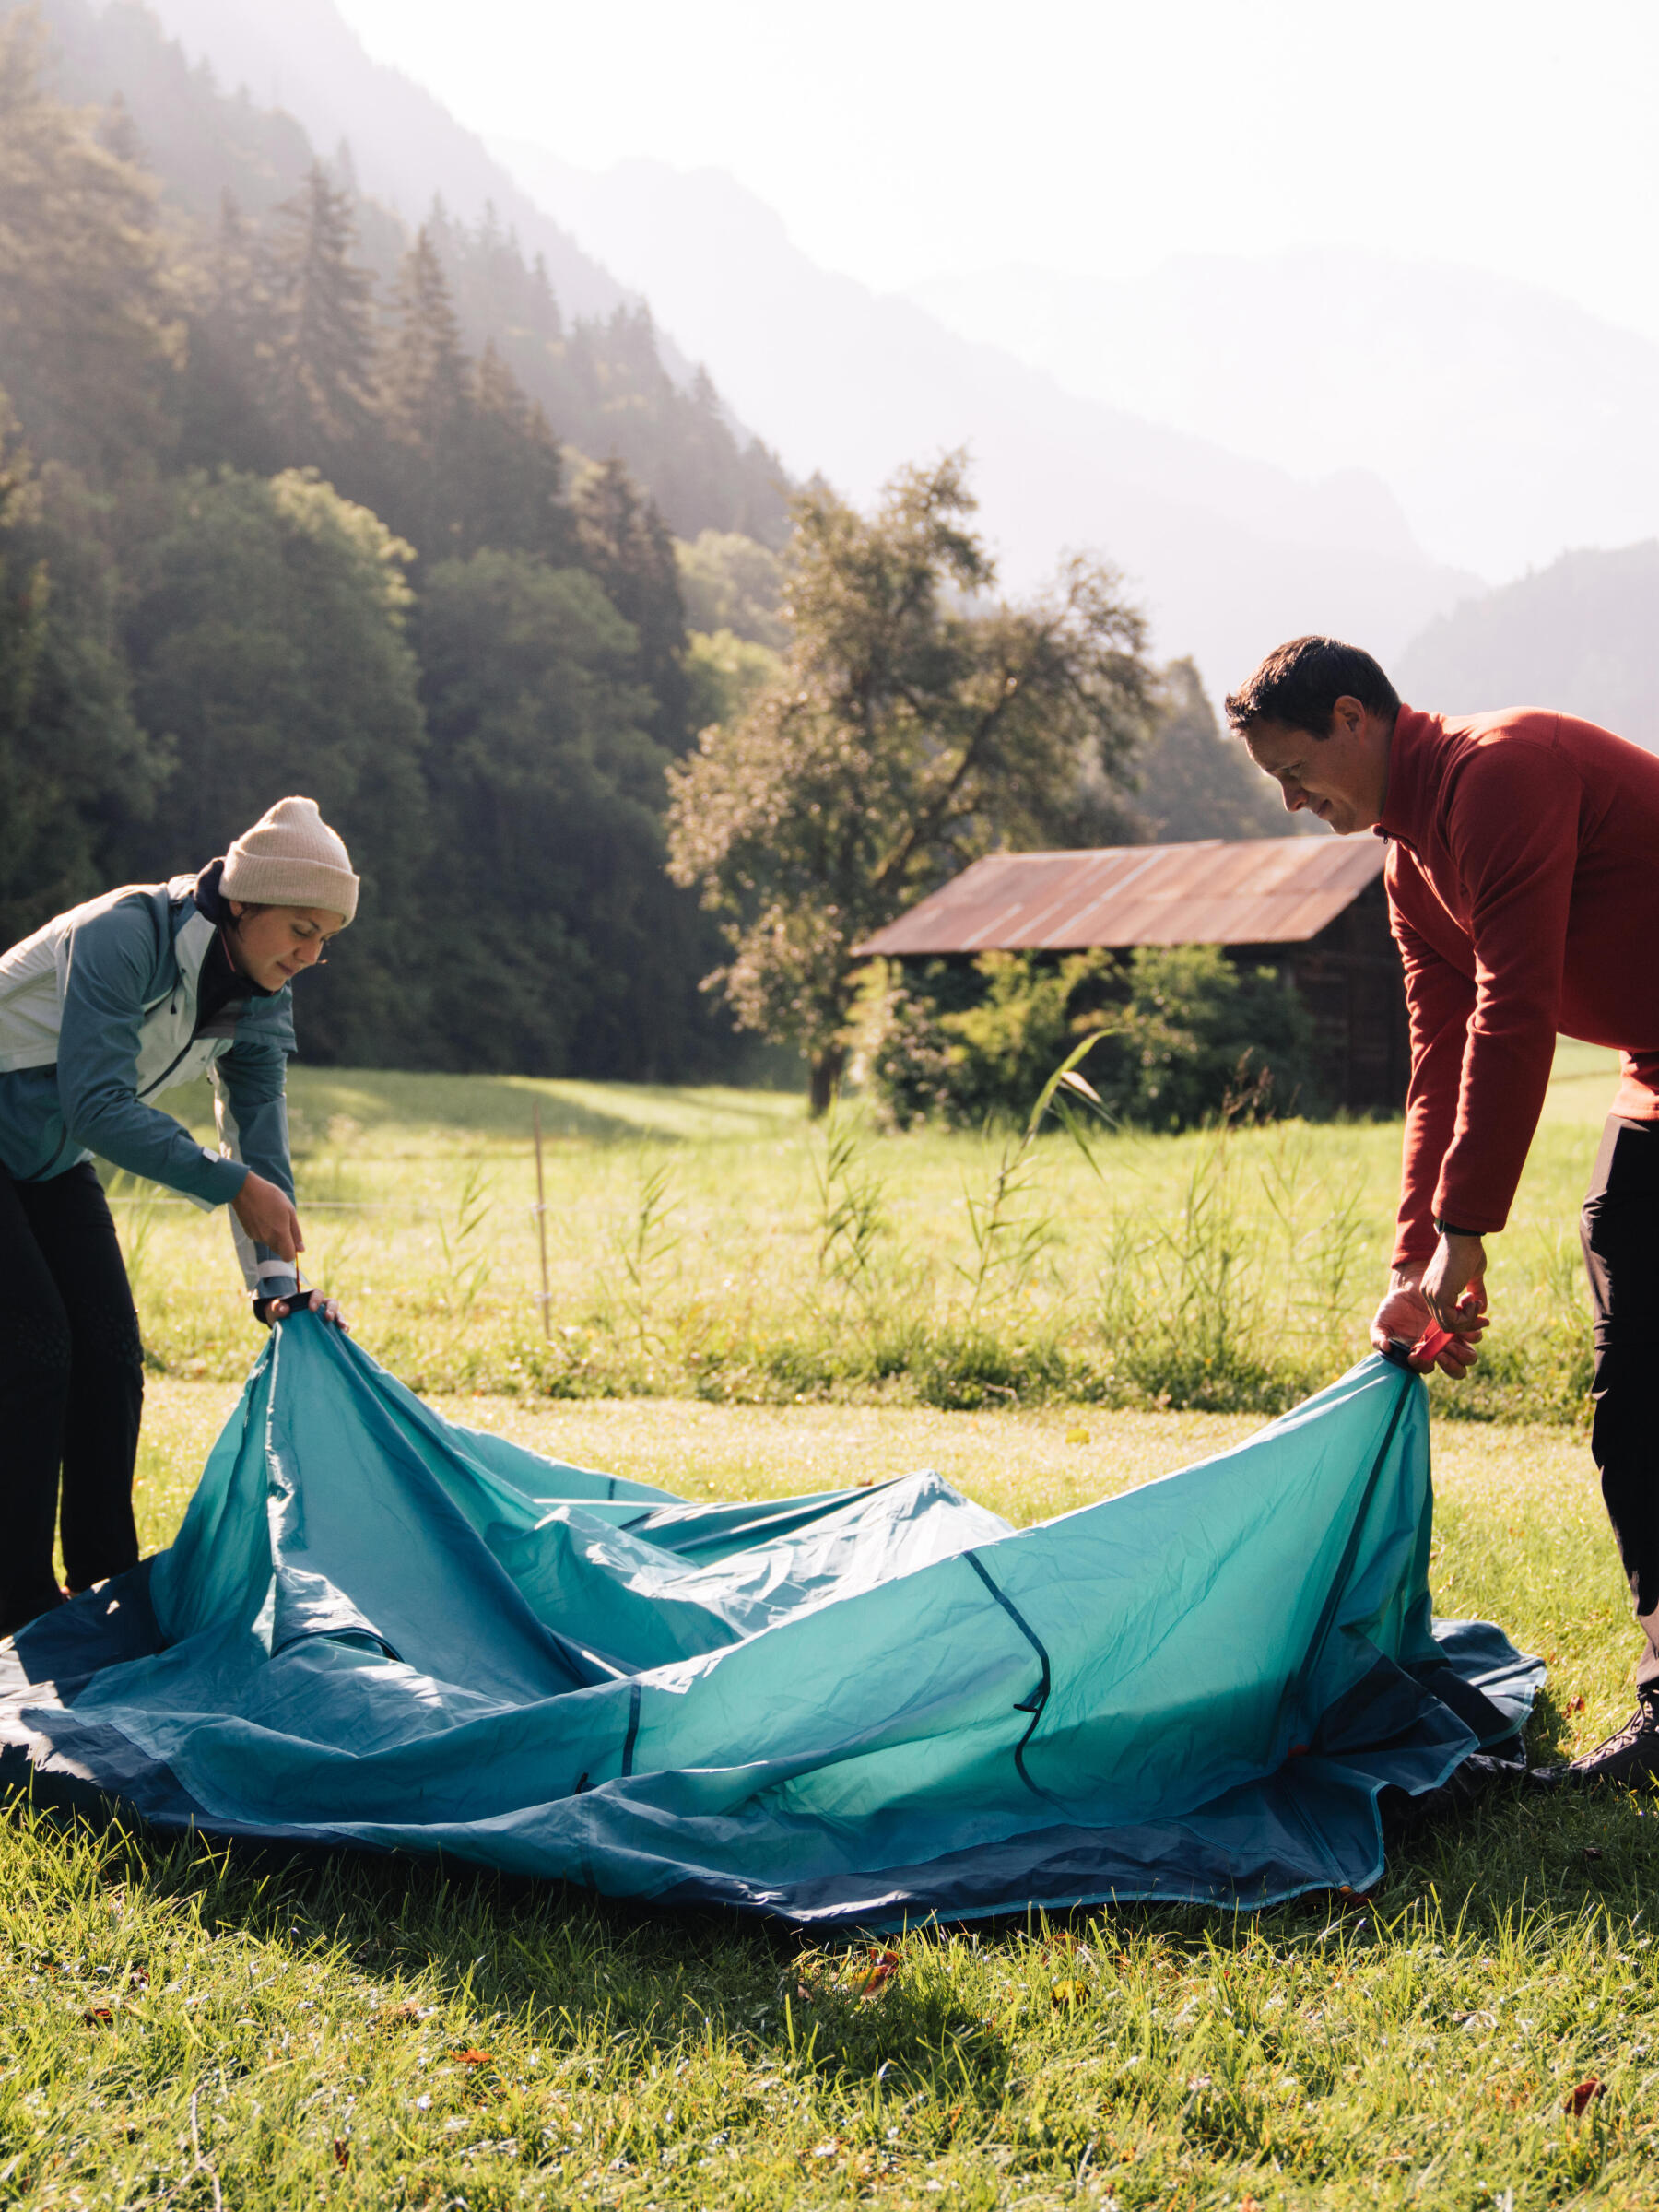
882 1967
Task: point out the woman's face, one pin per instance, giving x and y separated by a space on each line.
270 944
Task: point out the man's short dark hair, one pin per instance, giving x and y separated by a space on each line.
1299 684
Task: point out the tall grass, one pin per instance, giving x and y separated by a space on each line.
716 1245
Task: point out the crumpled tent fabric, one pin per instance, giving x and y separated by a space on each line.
864 1707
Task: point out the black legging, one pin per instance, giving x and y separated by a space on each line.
70 1391
1622 1250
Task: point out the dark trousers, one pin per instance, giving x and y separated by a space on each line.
1620 1230
70 1391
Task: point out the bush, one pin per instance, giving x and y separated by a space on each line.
1200 1035
1191 1035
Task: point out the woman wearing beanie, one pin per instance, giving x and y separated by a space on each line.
102 1010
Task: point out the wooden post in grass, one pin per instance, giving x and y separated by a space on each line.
541 1228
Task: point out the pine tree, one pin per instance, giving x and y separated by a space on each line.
1195 783
88 318
514 472
426 398
119 135
321 378
22 598
625 543
228 353
425 381
546 320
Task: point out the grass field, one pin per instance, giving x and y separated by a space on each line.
712 1244
188 2028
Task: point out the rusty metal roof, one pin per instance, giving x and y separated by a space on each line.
1264 890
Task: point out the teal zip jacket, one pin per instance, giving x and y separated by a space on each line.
99 1016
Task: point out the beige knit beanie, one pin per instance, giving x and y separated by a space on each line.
291 857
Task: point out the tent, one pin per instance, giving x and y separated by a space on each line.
864 1707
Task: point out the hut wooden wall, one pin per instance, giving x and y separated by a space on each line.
1349 978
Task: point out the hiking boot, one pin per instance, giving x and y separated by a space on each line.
1629 1759
1466 1787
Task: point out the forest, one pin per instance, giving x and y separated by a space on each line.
294 497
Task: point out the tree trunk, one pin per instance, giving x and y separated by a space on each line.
827 1070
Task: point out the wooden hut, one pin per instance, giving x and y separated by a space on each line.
1312 907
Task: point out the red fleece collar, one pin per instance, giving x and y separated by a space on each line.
1410 765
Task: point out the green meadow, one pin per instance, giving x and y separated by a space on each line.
189 2026
713 1245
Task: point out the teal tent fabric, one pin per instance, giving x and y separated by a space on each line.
377 1628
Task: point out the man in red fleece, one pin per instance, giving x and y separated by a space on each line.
1523 878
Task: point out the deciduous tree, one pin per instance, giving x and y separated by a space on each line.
266 640
918 722
74 767
565 945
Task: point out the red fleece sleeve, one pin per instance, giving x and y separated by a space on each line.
1439 1002
1513 831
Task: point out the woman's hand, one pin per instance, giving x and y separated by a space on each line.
279 1309
267 1213
1405 1316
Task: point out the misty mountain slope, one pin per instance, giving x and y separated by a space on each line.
209 145
1509 422
603 383
302 55
1231 554
1580 636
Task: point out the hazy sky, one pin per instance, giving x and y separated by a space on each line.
900 138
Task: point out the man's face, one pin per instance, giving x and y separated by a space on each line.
1343 778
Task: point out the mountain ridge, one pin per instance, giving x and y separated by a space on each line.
1576 637
1233 554
1509 422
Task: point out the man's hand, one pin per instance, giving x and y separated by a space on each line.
267 1213
279 1309
1453 1283
1405 1315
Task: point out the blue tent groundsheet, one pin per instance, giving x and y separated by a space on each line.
861 1708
